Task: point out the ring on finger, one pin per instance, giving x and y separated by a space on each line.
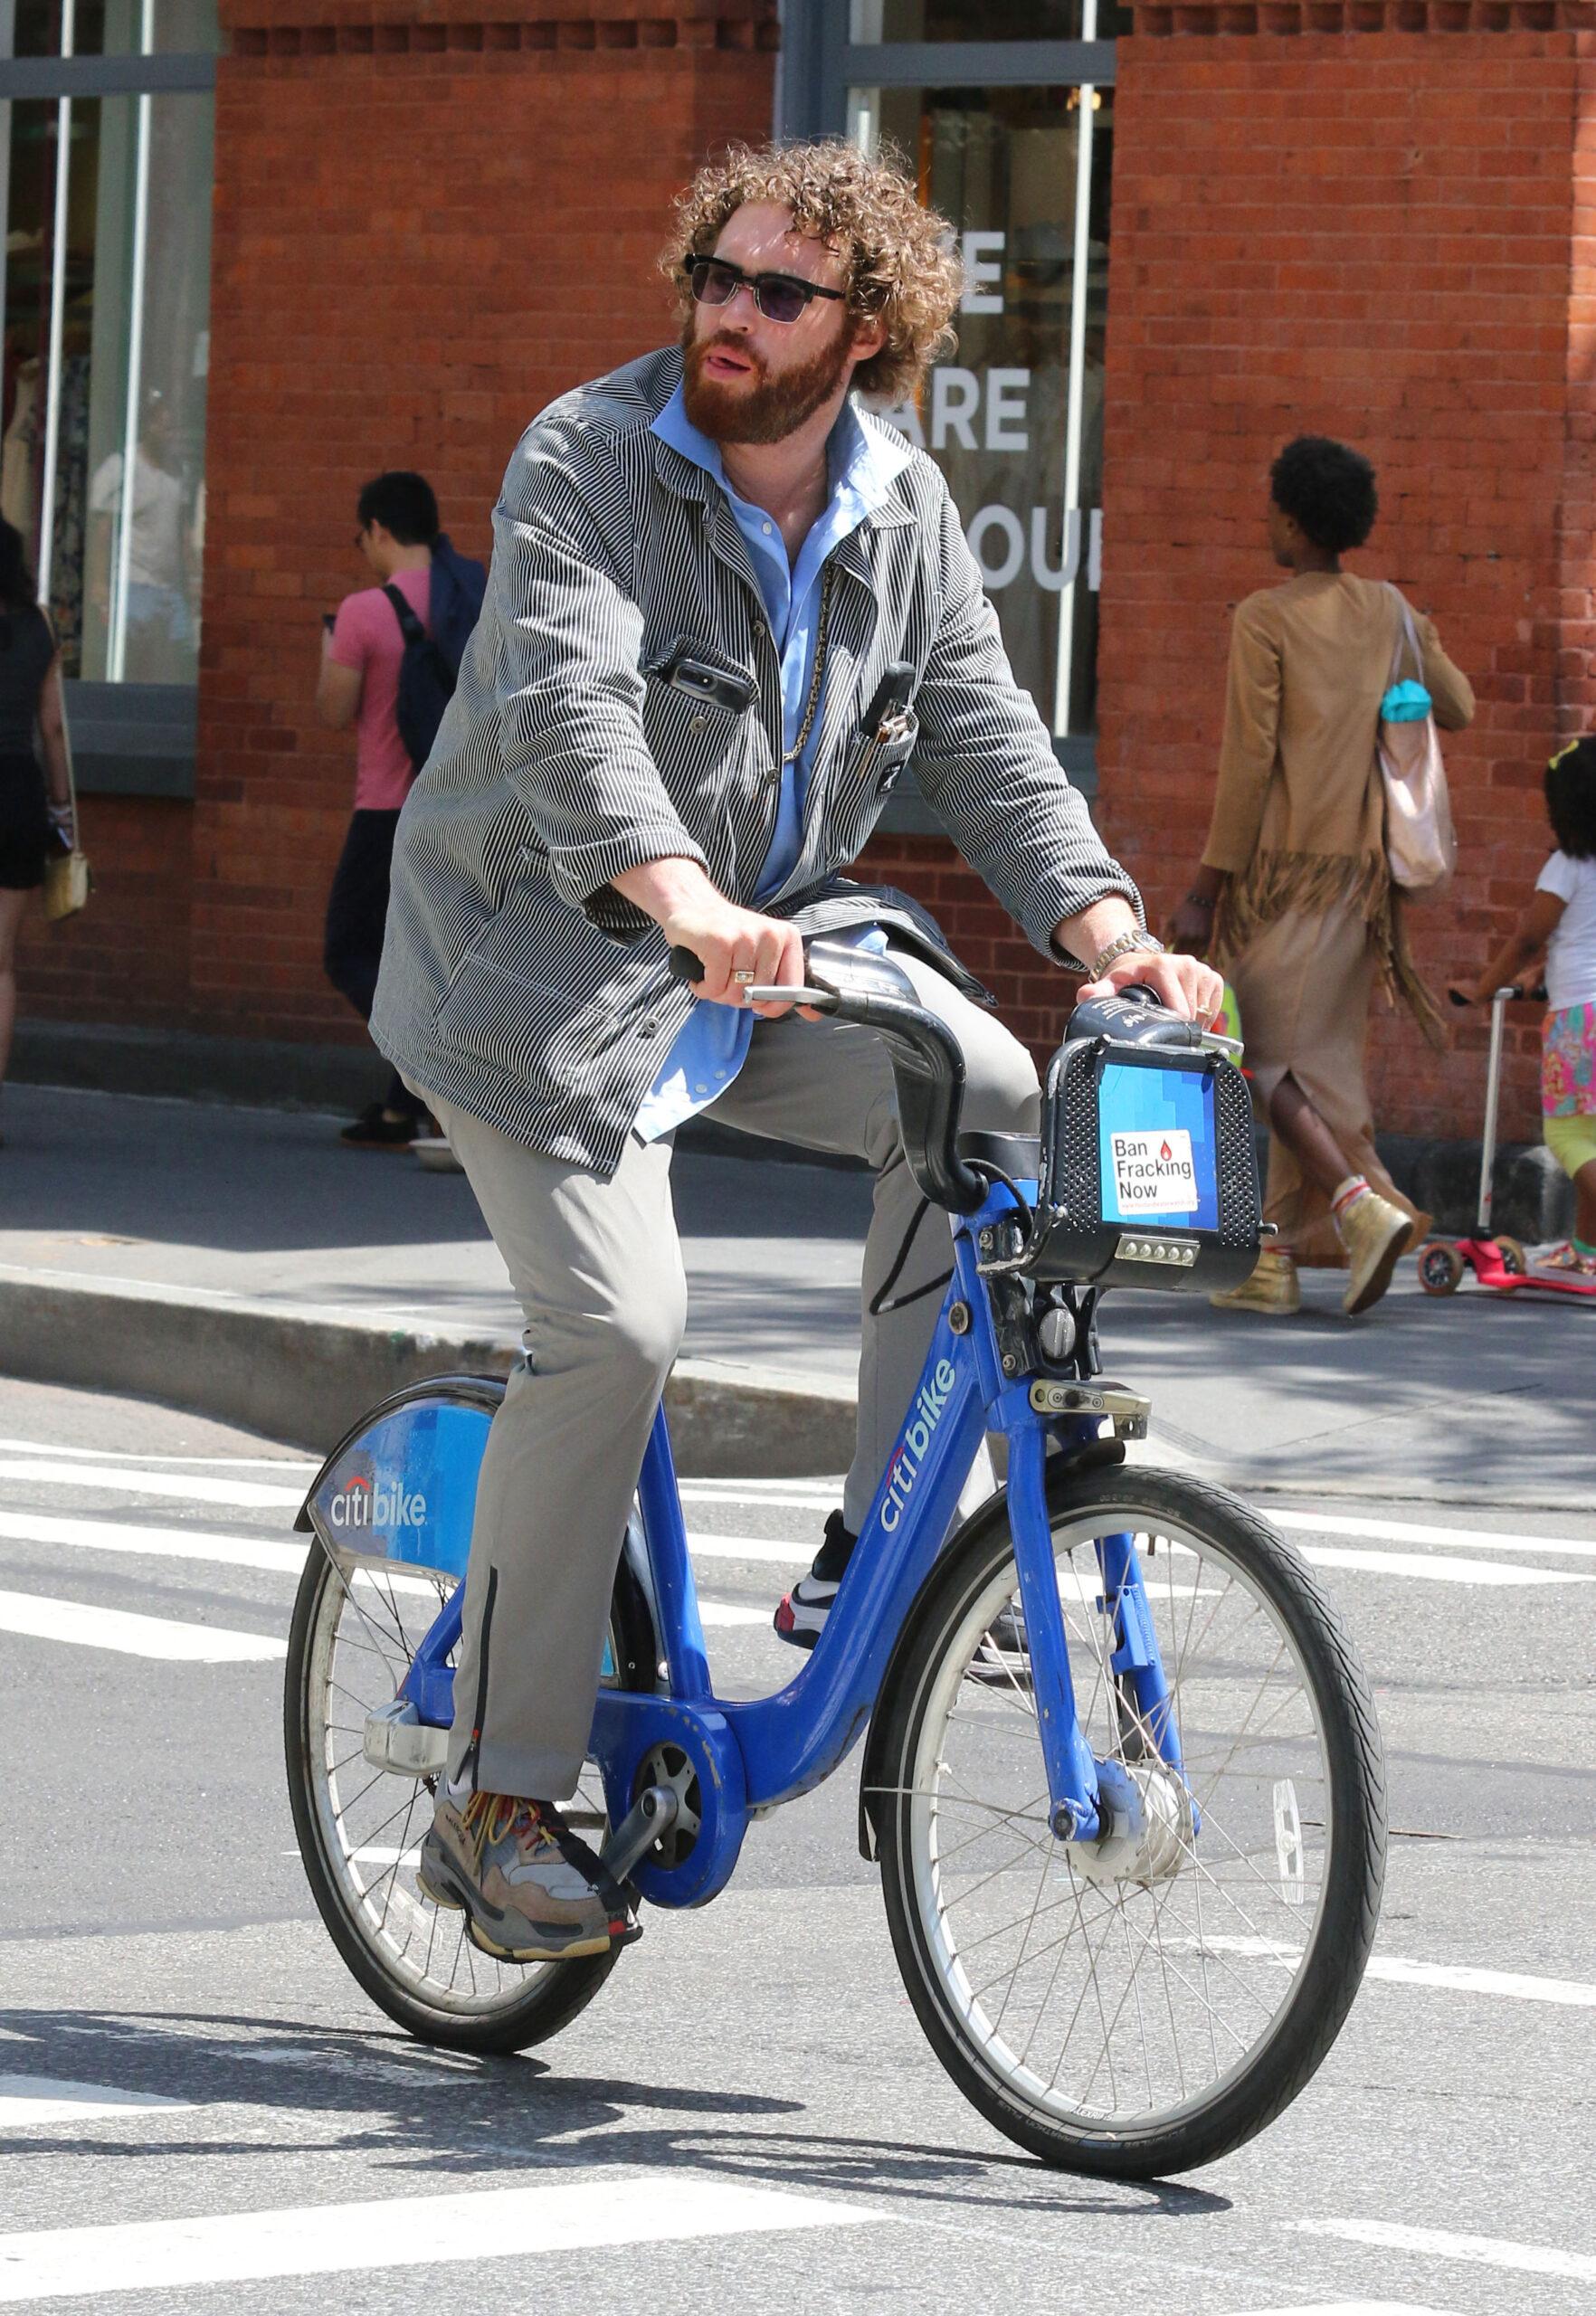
744 979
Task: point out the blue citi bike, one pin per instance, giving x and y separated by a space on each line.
1121 1772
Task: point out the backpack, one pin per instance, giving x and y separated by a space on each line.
430 667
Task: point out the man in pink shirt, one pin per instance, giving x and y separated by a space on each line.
362 651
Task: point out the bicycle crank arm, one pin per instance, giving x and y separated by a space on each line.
650 1816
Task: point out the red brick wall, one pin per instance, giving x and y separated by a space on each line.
427 224
1368 235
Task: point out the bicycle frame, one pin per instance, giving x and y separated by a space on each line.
748 1756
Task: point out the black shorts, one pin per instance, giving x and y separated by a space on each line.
24 824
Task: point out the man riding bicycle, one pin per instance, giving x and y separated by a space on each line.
726 606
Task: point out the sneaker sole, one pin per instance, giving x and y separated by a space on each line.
452 1897
1381 1277
794 1638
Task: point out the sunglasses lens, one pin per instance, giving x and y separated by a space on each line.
712 284
780 302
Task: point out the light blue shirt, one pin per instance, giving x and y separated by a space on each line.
713 1043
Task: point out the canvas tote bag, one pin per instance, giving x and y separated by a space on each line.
67 879
1421 842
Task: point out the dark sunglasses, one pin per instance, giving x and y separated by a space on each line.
780 297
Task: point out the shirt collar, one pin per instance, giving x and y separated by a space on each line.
862 464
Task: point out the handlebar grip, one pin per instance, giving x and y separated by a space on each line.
685 965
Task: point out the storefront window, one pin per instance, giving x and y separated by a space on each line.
1014 418
106 331
108 27
874 22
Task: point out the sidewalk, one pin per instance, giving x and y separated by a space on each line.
241 1263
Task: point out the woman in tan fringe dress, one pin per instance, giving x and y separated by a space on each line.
1294 899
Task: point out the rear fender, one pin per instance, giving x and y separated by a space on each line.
401 1484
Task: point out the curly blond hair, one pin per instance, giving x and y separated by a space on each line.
902 261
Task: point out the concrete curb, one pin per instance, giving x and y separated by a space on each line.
303 1375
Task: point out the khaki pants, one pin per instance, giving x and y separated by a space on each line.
598 1270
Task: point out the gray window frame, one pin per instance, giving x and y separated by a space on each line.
127 739
817 67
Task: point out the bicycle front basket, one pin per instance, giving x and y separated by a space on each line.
1149 1171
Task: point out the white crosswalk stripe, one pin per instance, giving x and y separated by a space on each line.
404 2232
29 2102
124 1479
128 1634
1443 2244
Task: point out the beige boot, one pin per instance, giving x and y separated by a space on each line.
1374 1233
1273 1288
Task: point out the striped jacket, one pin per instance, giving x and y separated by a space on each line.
516 982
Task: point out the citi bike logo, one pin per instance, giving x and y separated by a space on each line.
925 1414
362 1505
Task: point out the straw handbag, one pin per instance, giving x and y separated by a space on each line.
67 880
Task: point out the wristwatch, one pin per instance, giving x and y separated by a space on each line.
1124 944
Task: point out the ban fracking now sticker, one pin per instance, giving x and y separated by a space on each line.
1155 1173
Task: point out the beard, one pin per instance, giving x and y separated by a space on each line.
768 409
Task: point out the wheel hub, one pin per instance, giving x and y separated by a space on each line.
1150 1826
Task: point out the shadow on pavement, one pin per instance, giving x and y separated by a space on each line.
452 2116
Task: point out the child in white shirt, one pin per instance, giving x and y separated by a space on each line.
1561 919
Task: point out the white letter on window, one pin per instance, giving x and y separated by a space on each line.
1055 582
981 268
956 395
1006 394
997 518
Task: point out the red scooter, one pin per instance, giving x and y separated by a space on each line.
1499 1263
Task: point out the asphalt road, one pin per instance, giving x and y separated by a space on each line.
200 2111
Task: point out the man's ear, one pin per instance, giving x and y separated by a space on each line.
870 336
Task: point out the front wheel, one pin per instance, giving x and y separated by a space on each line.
1135 2006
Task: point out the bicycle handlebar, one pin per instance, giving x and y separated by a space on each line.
928 1065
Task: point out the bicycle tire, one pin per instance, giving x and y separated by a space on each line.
553 1993
1284 2059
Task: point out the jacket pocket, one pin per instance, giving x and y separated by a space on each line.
880 755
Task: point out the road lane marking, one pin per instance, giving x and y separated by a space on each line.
160 1544
407 2231
127 1456
1457 1978
721 1612
1350 2308
122 1479
1416 1531
38 1618
27 2100
1440 2244
1439 1568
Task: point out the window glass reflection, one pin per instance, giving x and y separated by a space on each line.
106 313
107 27
1014 417
875 21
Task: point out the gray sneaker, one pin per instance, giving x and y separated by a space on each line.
531 1890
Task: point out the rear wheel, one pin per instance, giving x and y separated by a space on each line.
1440 1268
1515 1261
356 1625
1136 2005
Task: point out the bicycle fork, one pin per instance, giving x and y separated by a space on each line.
1089 1797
